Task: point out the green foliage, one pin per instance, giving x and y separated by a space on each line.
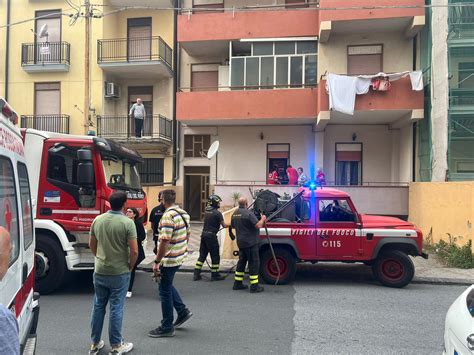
235 197
451 254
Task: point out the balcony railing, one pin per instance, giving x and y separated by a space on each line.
50 123
134 50
112 126
45 53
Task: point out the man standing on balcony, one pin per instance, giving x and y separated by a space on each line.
138 113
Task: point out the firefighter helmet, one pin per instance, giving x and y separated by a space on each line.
214 201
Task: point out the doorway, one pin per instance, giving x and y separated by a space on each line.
196 190
146 94
139 39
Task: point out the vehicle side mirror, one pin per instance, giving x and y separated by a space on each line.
85 168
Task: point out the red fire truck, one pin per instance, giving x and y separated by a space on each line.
71 179
323 225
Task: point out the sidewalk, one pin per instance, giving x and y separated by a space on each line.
426 271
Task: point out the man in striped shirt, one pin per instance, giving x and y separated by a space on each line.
173 248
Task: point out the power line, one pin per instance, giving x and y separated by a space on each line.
36 18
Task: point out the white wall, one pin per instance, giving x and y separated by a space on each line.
405 153
376 145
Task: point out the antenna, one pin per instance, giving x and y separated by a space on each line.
213 150
43 32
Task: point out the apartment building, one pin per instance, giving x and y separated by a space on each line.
253 76
447 135
131 56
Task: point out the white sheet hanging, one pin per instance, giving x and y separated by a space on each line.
342 92
416 78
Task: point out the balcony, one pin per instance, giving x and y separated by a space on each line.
156 130
49 123
198 36
286 106
45 57
372 16
396 107
140 58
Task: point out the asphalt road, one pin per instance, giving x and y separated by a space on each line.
315 315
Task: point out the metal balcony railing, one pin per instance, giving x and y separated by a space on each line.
50 123
113 126
45 53
461 86
134 49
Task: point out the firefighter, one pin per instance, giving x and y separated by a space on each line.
213 220
247 228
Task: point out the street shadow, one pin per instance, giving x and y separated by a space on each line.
334 273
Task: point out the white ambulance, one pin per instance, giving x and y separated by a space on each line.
16 216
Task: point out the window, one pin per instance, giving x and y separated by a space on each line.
201 6
204 77
364 59
139 38
8 204
47 99
335 211
196 146
51 18
292 4
348 164
26 205
62 168
266 65
278 157
152 171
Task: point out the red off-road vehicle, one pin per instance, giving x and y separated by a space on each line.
324 225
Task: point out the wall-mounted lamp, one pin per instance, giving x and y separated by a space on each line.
354 137
261 136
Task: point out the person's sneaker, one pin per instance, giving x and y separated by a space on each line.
129 294
160 333
239 286
122 349
183 317
256 289
95 348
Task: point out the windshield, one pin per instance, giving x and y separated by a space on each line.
121 175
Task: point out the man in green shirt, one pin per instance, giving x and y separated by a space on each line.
113 241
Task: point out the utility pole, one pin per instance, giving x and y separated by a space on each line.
87 89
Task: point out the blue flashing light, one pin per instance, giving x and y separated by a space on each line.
312 186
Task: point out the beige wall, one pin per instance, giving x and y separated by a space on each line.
187 61
442 208
397 51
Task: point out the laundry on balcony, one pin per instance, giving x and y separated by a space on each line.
342 89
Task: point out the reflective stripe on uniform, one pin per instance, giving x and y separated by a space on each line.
239 273
199 265
253 279
238 278
215 268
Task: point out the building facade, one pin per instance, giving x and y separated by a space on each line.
447 136
253 76
131 56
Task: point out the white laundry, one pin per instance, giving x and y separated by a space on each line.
342 92
416 78
363 85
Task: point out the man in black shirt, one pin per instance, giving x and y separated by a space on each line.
155 217
213 220
247 228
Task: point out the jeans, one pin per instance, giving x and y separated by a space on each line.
109 288
169 297
138 127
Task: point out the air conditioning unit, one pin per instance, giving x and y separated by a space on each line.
112 90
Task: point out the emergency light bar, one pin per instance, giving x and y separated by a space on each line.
8 112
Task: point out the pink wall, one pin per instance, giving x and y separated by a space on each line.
252 24
365 14
250 104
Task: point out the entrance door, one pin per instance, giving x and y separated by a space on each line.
139 39
146 94
196 190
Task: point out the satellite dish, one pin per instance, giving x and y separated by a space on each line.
213 150
43 32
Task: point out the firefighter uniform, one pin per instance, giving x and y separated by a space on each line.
213 220
248 240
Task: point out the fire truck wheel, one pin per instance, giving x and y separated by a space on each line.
50 264
393 268
286 261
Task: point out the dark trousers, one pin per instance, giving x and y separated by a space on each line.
138 127
209 245
250 256
169 297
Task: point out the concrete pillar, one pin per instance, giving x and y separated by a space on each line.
439 91
318 153
395 163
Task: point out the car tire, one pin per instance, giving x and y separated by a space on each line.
52 252
286 261
393 268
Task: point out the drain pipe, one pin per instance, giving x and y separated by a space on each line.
7 51
176 61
